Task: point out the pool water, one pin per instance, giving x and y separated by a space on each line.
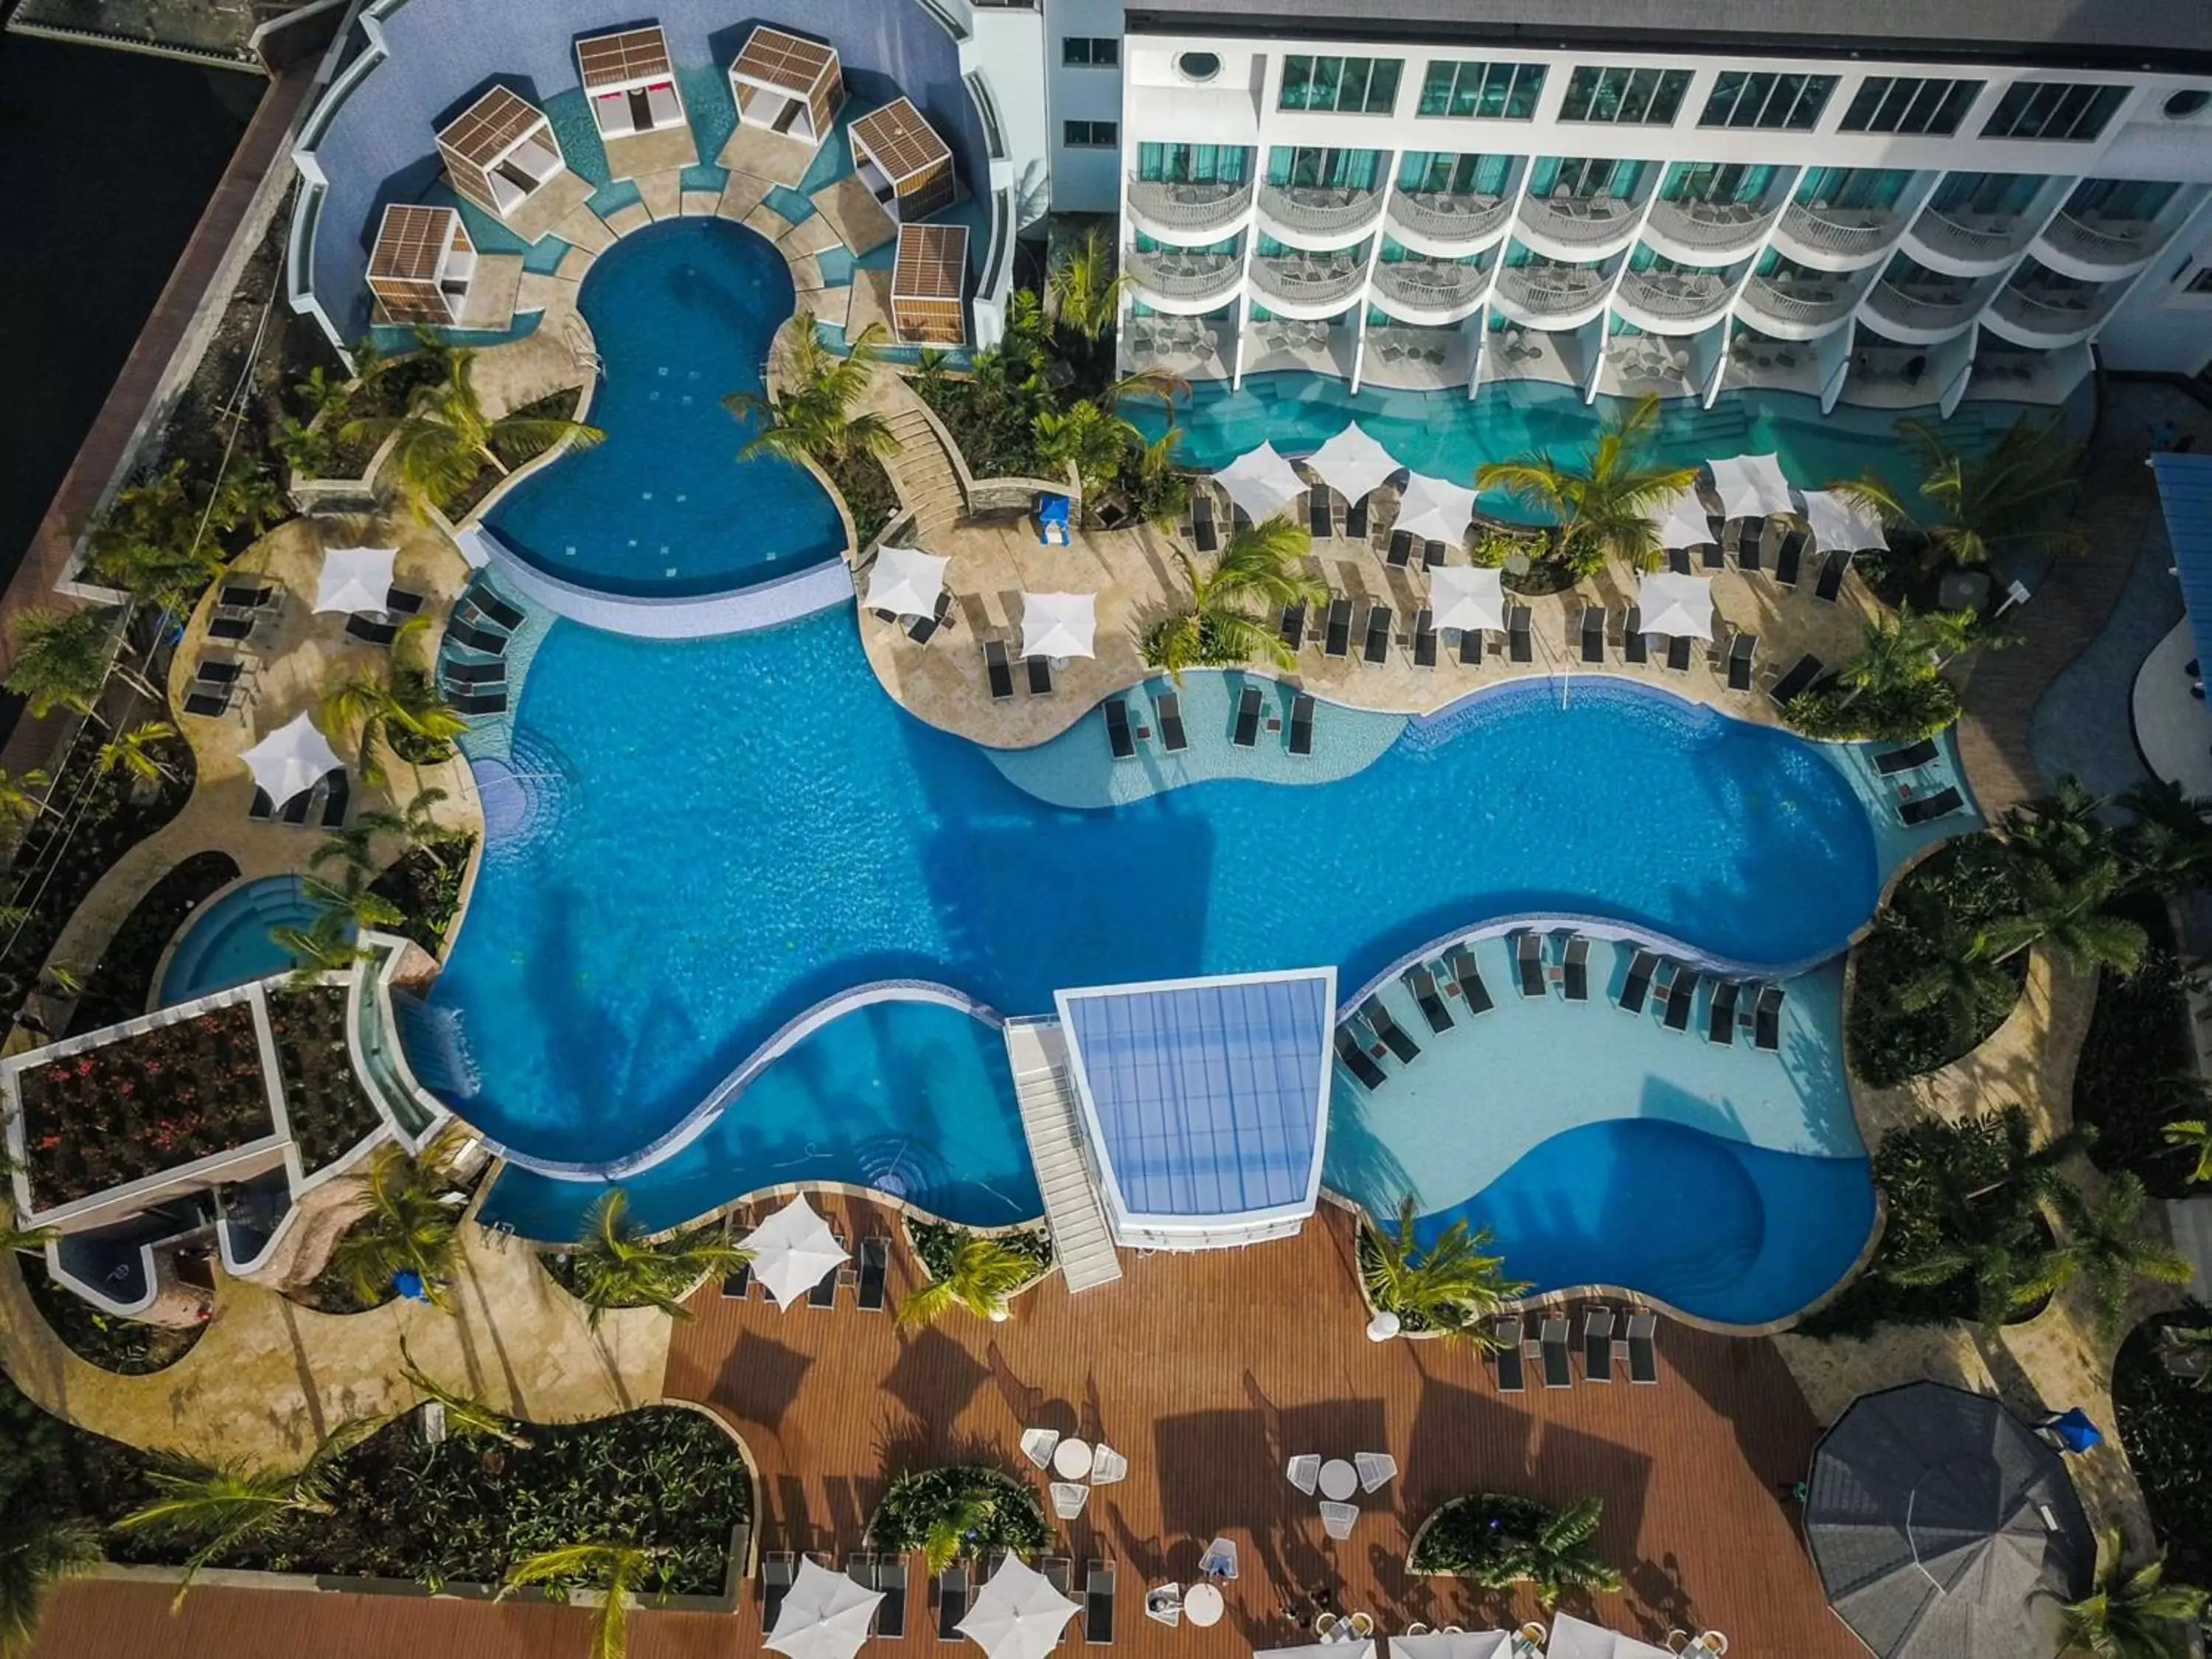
682 313
228 943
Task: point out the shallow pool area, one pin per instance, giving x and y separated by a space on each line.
227 942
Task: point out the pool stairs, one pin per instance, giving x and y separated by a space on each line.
1052 1121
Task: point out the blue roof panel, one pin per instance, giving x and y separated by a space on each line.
1208 1094
2184 490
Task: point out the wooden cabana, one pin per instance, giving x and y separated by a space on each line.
929 283
788 84
901 160
630 81
421 265
500 151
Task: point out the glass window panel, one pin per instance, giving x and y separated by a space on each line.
1728 87
1297 76
2102 108
1864 102
1327 74
1807 111
1490 99
1635 95
2071 104
1580 86
1756 89
1673 87
1382 87
1958 98
1528 88
1782 101
1921 112
2042 105
1437 90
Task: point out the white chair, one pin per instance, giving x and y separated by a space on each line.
1165 1603
1107 1466
1323 1623
1376 1469
1336 1519
1416 1628
1362 1624
1038 1445
1068 1499
1219 1560
1305 1473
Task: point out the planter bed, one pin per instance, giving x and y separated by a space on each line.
1470 1537
129 1348
937 1245
2137 1041
1006 447
554 407
428 893
123 983
2166 1423
869 496
325 1106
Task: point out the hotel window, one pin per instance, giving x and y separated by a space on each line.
2133 201
1484 91
1307 167
1643 97
1902 103
1355 86
1718 182
1439 175
1997 196
2053 109
1091 135
1581 178
1743 99
1194 164
1090 51
1851 187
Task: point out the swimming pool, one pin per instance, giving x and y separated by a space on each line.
228 943
682 313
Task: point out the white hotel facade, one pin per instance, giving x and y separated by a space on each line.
1884 202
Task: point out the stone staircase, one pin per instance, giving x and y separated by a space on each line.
921 471
1052 1121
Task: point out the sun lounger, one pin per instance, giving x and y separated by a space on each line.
1720 1023
1635 643
1637 988
295 809
220 670
951 1602
1711 555
1767 1020
231 627
1681 991
1751 546
477 639
891 1612
1679 648
245 596
1506 1333
1574 970
1392 1034
1597 1345
1802 674
1355 521
1423 984
736 1286
825 1293
1833 569
369 631
1377 648
335 801
398 602
471 674
1593 634
1247 733
1528 963
262 808
1040 676
1790 560
1058 1572
1519 647
1908 759
1552 1350
480 702
1321 513
1926 809
778 1568
1401 549
1302 713
1098 1603
1470 646
998 670
495 607
1338 642
1677 560
1467 972
1293 631
1167 710
1742 648
1424 638
1357 1062
923 629
875 1272
1642 1346
1204 536
1432 556
207 704
1124 746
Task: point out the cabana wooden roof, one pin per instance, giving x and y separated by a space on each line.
487 129
411 243
899 141
624 59
774 58
931 262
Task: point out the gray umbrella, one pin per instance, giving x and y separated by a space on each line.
1944 1529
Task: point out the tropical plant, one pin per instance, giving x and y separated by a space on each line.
2131 1615
14 1239
817 415
153 543
351 897
445 437
1449 1286
983 1274
133 751
2191 1346
1264 563
391 707
2106 1244
1083 291
406 1226
1501 1541
465 1415
614 1570
1960 975
959 1513
2168 847
1602 505
1097 443
1157 489
310 451
325 944
413 825
245 496
322 393
2193 1137
16 800
37 1552
2070 913
615 1265
62 657
2012 503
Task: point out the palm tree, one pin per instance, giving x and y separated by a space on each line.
2064 829
1095 442
616 1265
132 751
407 1228
36 1554
2012 502
465 1415
2069 913
63 657
1987 1228
984 1273
1084 291
389 701
16 800
1264 563
616 1569
817 415
1451 1286
2192 1137
324 946
1963 979
2136 1615
1602 504
413 825
1560 1556
2106 1246
445 437
2169 845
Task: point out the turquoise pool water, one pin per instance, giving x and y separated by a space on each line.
228 943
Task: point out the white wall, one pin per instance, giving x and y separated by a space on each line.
1083 180
2160 325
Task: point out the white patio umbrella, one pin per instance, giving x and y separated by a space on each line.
354 579
792 1250
1574 1639
906 581
825 1615
1841 524
1682 520
1434 508
1676 605
290 759
1351 463
1058 624
1450 1644
1363 1648
1752 487
1467 598
1019 1614
1261 481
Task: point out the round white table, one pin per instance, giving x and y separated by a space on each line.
1201 1604
1071 1459
1339 1479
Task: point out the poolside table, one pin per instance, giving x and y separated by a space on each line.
1339 1479
1201 1604
1071 1459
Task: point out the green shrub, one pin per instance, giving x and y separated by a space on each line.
2135 1075
959 1513
937 1244
1901 714
2166 1421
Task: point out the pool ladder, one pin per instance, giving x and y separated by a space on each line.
579 342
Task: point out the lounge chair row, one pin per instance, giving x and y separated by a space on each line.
950 1592
1742 541
1373 1032
1335 631
869 1279
1735 1003
1636 1348
998 670
322 804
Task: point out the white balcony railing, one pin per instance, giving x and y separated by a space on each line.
1712 224
2113 242
1185 276
2054 311
1675 293
1189 207
1973 235
1549 290
1923 307
1435 284
1847 233
1448 216
1319 210
1806 304
1582 221
1299 280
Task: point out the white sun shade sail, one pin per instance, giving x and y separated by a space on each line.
1841 524
1752 487
825 1615
1261 481
1451 1644
290 758
906 581
1351 463
792 1250
1058 624
1574 1639
1019 1614
1681 520
1467 599
1677 605
356 579
1436 509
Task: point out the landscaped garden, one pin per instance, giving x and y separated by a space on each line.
2162 1398
960 1514
1450 1288
129 1348
614 1265
121 983
815 415
329 1112
1500 1541
979 1272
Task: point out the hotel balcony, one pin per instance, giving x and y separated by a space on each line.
1837 238
1430 290
1773 364
1795 309
1550 296
1187 213
1581 227
1924 313
2098 249
1708 231
1184 282
2027 377
1561 357
1308 285
1417 359
1975 242
1671 301
1193 348
1447 222
1318 346
1319 215
1636 364
2030 315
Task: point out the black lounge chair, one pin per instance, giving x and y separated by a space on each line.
875 1274
495 607
778 1568
1551 1350
998 670
477 639
1247 732
262 808
295 809
825 1293
245 596
1377 648
1635 643
369 631
1597 1345
1679 561
219 670
1910 758
1058 1572
1423 984
1519 646
1720 1023
1467 972
1926 809
1338 640
1357 1062
1833 569
231 627
1040 676
335 800
1751 546
480 702
1203 534
1401 549
1679 653
476 673
1790 560
1802 674
1711 555
1302 713
1167 709
1642 1346
1424 638
1742 649
1574 968
208 703
1392 1034
1681 993
951 1602
1432 556
1321 513
1117 730
1293 631
1470 646
736 1286
1636 989
1528 963
1767 1020
1239 519
891 1612
1355 521
1098 1604
398 602
1505 1348
1593 634
923 629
